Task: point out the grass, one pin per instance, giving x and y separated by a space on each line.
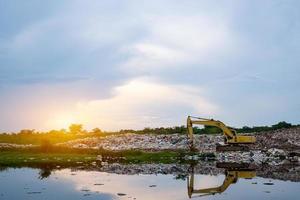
38 139
164 157
68 157
153 157
14 158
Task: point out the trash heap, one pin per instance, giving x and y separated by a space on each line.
287 139
147 142
284 139
130 141
272 156
275 147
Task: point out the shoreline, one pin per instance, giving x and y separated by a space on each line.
285 172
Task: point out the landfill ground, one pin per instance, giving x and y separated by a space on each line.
272 147
276 154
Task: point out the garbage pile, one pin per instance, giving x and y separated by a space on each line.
131 141
275 147
147 142
272 156
287 139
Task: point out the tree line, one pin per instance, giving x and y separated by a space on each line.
76 131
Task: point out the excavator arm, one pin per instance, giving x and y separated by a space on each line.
228 132
230 135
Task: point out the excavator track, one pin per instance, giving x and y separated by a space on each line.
222 148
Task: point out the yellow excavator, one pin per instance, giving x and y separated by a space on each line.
231 177
232 141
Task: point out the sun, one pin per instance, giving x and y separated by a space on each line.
61 121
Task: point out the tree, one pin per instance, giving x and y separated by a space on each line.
27 132
96 131
212 130
75 128
282 124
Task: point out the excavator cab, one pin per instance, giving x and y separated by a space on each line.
232 141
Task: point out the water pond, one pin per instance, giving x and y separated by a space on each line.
29 183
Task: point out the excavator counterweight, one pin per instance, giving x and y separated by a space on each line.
233 142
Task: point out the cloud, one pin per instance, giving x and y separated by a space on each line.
180 41
86 56
141 103
68 43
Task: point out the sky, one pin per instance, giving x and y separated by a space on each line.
130 64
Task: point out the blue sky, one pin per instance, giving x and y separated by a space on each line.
134 64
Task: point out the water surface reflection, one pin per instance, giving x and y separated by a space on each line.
28 183
232 175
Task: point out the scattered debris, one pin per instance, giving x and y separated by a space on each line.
269 183
98 184
152 185
10 146
34 192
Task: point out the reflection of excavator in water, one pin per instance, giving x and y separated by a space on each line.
231 176
233 142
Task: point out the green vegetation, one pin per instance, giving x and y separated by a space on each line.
52 137
62 156
18 159
277 126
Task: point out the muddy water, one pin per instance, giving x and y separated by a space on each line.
27 183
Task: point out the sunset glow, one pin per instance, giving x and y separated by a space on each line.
146 67
149 99
61 122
